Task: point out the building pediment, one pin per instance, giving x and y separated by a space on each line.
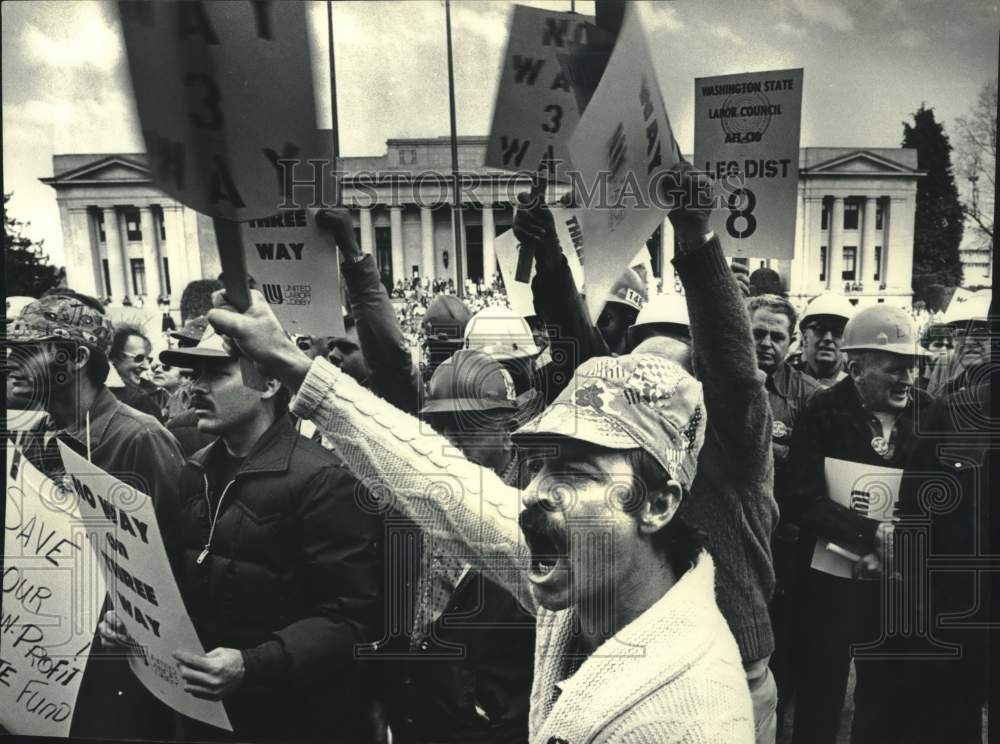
106 169
861 163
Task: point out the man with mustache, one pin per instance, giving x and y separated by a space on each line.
630 640
868 418
822 327
277 562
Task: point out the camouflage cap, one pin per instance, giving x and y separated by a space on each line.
61 317
638 401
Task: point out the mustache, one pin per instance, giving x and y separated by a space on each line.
534 520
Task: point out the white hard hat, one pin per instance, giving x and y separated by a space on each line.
976 307
828 304
664 308
501 333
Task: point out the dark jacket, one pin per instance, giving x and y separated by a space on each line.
292 578
393 374
132 395
731 499
136 449
432 693
835 424
946 505
788 389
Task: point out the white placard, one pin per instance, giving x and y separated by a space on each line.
296 267
125 537
746 135
624 138
870 491
519 294
536 109
222 90
53 592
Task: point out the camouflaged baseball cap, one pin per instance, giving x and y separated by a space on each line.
62 317
639 401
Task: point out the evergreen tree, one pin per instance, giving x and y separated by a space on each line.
27 266
939 215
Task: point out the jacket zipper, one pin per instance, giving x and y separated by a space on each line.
213 520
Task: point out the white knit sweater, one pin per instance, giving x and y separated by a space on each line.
674 674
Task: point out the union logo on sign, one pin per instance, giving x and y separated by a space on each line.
272 293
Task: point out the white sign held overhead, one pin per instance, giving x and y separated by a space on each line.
622 147
125 537
296 268
53 592
223 90
536 108
746 136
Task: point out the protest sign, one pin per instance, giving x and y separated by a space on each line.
53 591
868 490
746 135
297 270
223 90
125 537
620 150
519 295
536 108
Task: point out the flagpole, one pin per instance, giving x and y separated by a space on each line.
335 126
456 209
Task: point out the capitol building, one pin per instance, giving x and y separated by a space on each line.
124 238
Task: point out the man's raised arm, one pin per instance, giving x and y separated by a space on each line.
466 510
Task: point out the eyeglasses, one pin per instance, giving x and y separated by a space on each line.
139 358
821 329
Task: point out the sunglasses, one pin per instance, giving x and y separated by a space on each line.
139 358
821 329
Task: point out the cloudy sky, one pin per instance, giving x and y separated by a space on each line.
868 64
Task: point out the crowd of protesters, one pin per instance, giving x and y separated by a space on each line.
546 529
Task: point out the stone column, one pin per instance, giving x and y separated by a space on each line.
150 255
666 256
868 241
426 244
396 233
182 268
834 280
117 263
80 251
489 256
365 222
898 261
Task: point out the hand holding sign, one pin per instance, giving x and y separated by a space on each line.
535 228
114 634
691 194
259 335
212 676
341 225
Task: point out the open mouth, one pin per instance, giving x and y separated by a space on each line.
546 552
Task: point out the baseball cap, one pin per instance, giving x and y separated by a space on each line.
638 401
62 317
191 332
470 380
211 347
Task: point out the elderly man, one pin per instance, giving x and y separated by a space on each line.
867 418
58 355
822 327
631 643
